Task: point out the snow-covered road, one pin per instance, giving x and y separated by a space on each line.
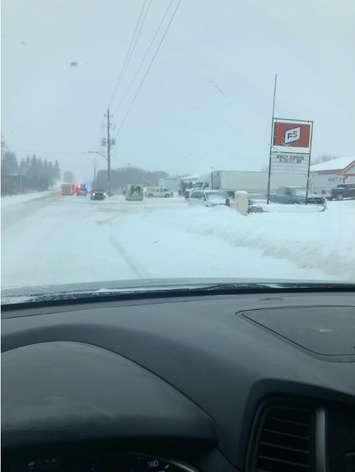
54 240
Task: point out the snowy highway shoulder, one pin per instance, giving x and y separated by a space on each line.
11 200
69 239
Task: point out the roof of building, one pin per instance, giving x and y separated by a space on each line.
337 164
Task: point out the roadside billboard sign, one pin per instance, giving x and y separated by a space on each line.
290 147
292 133
290 162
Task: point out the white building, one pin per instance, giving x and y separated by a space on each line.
329 174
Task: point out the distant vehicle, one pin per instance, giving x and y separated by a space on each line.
209 198
296 195
171 183
81 190
158 192
68 189
195 197
134 193
343 191
187 192
253 182
97 195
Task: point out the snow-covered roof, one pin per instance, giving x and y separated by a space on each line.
335 164
190 177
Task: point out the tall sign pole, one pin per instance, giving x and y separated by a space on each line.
271 141
309 163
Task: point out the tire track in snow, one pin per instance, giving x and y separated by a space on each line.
136 269
107 222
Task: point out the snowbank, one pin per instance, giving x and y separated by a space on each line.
315 240
10 200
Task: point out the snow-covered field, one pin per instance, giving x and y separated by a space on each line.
56 240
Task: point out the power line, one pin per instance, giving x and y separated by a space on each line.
138 71
132 45
128 52
148 68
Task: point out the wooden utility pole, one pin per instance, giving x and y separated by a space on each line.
108 144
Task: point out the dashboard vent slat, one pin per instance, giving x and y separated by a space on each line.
287 448
285 440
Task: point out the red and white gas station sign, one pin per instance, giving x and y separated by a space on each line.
292 133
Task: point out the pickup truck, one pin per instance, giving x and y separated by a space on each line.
296 195
343 191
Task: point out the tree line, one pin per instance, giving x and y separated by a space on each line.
124 176
30 174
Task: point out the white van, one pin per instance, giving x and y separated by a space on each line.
158 192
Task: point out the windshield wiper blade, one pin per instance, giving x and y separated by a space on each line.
134 293
278 286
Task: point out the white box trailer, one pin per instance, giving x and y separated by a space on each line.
173 184
253 182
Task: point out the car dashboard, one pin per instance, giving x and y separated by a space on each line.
259 382
104 461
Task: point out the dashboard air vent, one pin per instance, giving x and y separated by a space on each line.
285 440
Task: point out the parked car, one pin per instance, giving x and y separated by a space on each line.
343 191
296 195
195 197
97 195
209 198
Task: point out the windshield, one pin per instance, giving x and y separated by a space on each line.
149 139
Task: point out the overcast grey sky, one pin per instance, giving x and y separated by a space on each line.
207 100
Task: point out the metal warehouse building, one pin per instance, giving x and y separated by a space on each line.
329 174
